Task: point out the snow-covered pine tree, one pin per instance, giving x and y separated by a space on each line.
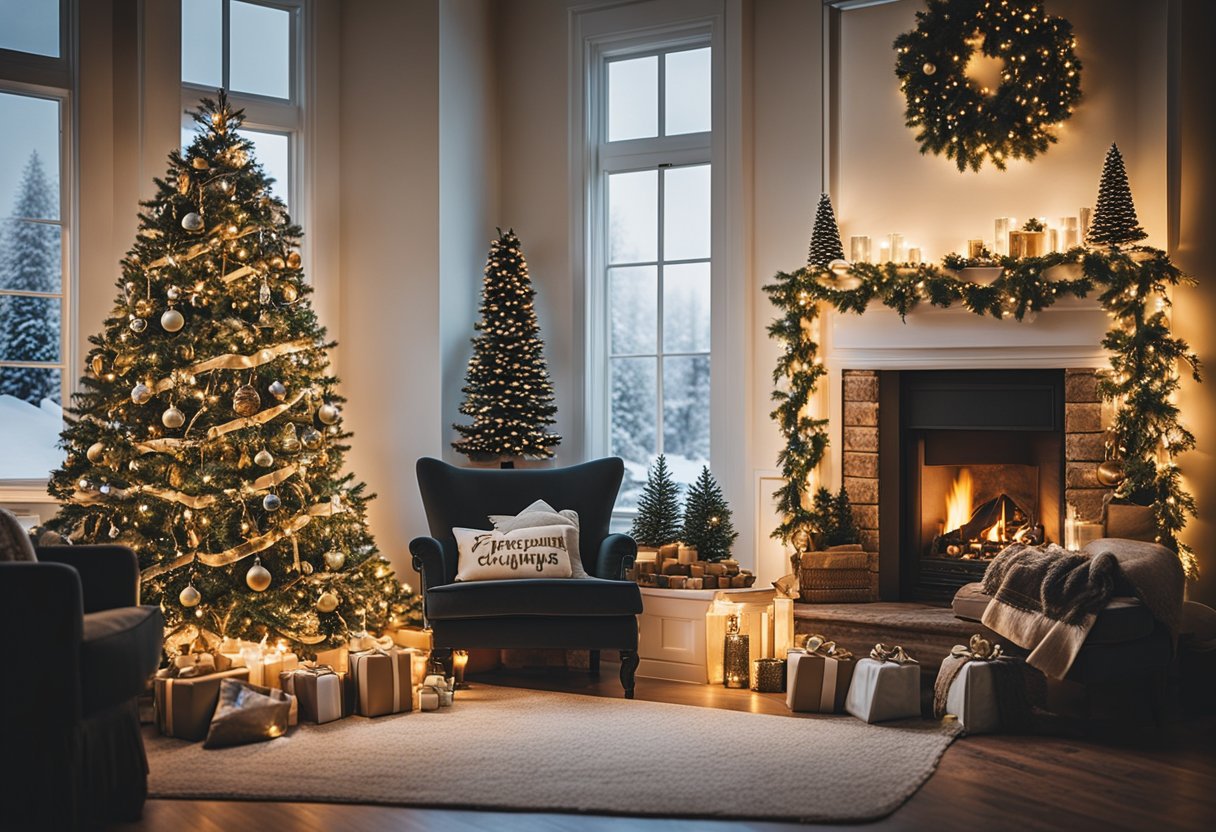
29 324
825 236
1114 222
658 519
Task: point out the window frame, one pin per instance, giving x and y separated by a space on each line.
54 78
602 158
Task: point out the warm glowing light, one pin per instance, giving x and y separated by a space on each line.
958 501
996 532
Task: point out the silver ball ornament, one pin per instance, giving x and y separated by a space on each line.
96 452
334 560
173 418
190 596
138 325
258 577
271 502
277 389
141 393
263 458
172 320
328 414
312 438
328 602
192 222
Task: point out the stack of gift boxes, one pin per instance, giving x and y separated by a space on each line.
370 676
825 678
678 567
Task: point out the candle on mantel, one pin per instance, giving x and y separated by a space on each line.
1087 214
884 252
975 248
914 256
859 249
1002 227
1069 237
898 252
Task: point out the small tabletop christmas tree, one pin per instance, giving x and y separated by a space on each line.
658 519
1114 222
707 519
207 436
825 236
507 388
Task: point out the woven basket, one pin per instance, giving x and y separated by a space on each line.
842 574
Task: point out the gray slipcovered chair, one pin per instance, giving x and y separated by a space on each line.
79 653
596 613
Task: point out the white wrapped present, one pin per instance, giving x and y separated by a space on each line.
885 686
975 674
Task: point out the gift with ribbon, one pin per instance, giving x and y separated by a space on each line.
184 704
436 692
818 675
886 686
320 692
266 663
384 681
983 688
363 641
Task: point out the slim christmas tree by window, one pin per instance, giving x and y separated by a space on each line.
657 522
707 519
507 389
825 236
29 262
1114 222
207 435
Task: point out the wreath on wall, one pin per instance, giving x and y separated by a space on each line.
968 122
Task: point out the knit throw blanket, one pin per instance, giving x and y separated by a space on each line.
1046 600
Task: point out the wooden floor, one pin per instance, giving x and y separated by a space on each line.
1150 779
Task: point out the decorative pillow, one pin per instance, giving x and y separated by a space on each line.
541 513
248 713
14 540
539 552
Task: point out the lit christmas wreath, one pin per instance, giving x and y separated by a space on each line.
1040 79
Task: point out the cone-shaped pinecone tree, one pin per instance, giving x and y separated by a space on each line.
658 519
507 389
825 237
207 436
707 519
29 262
1114 222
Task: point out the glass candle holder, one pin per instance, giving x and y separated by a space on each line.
736 670
768 675
460 658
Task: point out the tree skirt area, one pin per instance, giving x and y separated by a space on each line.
509 748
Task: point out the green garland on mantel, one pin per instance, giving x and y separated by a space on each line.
1133 287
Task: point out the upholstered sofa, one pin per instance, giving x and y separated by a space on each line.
596 613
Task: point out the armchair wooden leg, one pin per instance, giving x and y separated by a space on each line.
593 663
629 665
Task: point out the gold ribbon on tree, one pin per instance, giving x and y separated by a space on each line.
155 446
977 649
897 654
236 361
262 483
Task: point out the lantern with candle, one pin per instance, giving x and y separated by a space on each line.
736 656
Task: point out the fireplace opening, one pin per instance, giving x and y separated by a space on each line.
983 464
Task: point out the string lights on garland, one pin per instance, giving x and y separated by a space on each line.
1040 79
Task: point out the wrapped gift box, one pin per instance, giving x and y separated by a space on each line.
338 658
414 637
972 698
818 682
320 693
383 681
884 690
184 706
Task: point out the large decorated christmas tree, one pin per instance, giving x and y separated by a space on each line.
207 435
507 389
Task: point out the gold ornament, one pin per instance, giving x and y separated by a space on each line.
144 307
225 187
173 418
183 183
334 560
190 596
258 577
328 602
306 568
929 68
96 452
199 163
263 458
312 438
328 414
246 401
98 364
277 262
293 260
172 320
290 293
289 439
1111 473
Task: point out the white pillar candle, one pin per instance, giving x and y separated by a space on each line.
897 250
859 249
975 248
914 256
1069 236
1087 215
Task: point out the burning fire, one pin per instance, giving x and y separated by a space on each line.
958 501
996 532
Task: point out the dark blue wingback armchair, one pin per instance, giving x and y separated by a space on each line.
597 613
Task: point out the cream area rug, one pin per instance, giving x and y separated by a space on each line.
508 748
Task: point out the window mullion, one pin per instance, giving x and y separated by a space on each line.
658 346
225 44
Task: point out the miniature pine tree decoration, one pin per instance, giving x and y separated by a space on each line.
29 262
825 237
207 435
823 517
1114 222
844 527
658 519
507 388
707 519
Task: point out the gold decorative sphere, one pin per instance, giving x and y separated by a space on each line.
328 602
258 577
246 401
1111 473
190 596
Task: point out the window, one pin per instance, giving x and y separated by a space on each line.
651 260
35 375
251 50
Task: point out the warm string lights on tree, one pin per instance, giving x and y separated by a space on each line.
208 435
507 389
707 523
1040 79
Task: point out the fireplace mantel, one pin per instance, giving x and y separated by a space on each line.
1069 334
